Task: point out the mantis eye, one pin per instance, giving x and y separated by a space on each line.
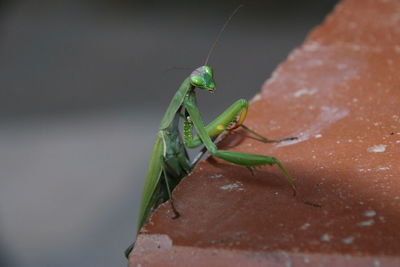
203 78
208 70
197 81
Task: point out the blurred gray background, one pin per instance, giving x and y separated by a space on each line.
83 88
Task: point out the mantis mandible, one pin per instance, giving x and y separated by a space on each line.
170 162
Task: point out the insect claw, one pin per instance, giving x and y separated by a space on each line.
251 170
129 250
229 132
176 215
316 205
288 139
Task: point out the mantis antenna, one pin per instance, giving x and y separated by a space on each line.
178 68
220 33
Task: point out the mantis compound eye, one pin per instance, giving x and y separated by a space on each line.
196 81
203 77
208 70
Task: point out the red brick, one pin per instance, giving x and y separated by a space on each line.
340 94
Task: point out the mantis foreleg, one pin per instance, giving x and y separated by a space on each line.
223 122
239 158
219 124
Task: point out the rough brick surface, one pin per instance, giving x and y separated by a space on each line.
340 94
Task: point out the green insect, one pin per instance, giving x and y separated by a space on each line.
170 162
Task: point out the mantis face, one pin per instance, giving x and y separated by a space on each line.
203 77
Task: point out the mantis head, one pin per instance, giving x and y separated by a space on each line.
203 77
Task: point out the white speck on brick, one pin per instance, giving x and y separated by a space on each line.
384 168
366 223
326 238
229 186
313 46
234 186
305 91
370 213
318 135
376 263
305 226
348 240
256 97
216 176
377 148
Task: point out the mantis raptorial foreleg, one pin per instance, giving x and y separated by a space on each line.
223 122
218 125
204 133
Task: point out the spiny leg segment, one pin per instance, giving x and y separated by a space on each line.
216 127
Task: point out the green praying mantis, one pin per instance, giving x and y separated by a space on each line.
170 162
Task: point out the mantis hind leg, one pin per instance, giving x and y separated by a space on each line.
254 160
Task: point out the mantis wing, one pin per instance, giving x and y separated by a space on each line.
152 193
152 183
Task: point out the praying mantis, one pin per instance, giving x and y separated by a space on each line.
170 162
